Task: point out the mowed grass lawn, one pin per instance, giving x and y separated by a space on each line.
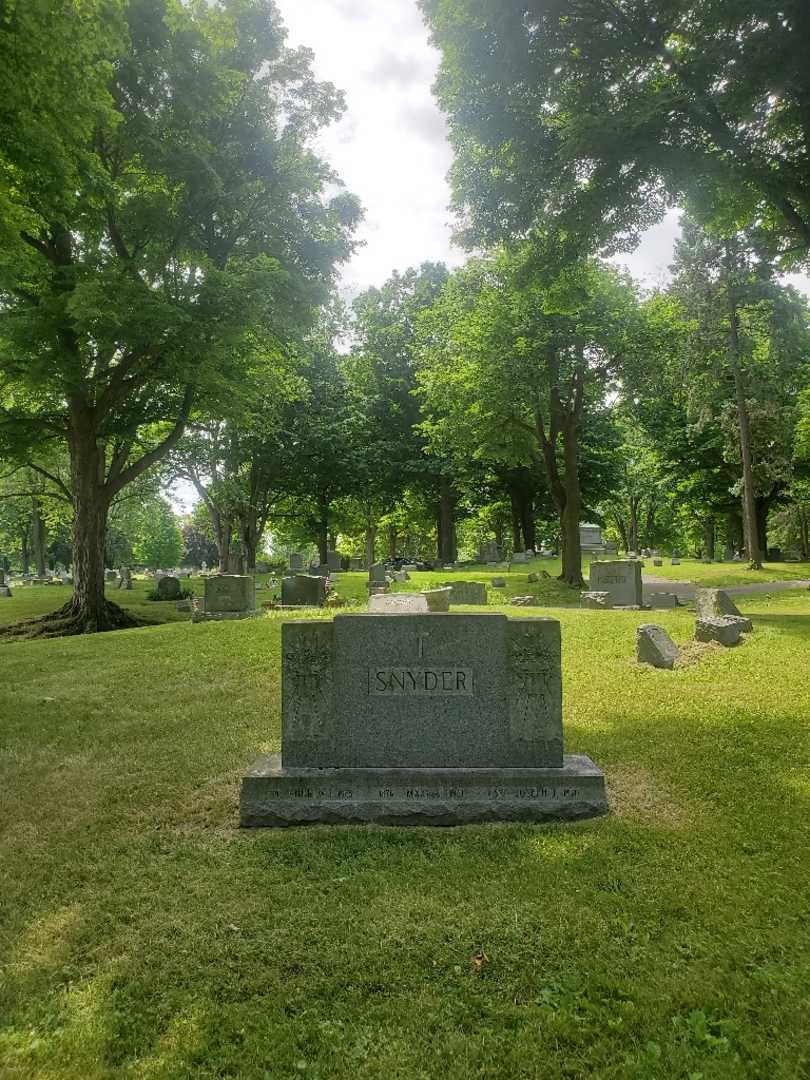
730 574
143 934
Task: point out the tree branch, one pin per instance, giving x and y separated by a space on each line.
137 468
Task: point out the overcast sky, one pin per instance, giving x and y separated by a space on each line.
391 147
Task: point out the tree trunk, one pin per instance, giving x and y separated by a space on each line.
527 525
39 541
322 538
249 532
632 531
804 535
516 522
446 528
569 517
762 507
25 555
88 605
371 539
748 502
393 537
223 533
709 540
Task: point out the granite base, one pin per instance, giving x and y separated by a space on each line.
274 796
224 616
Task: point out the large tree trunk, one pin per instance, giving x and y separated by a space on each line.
249 531
88 611
446 528
393 538
709 540
25 555
517 542
743 420
39 541
371 540
322 538
569 516
527 524
804 535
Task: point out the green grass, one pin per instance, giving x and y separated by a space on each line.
142 934
718 574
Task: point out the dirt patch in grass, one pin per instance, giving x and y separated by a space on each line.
634 792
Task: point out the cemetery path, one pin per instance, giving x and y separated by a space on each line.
685 590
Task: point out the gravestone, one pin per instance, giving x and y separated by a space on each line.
489 552
532 578
125 580
410 568
5 589
659 601
675 561
714 603
724 630
596 600
467 592
619 577
421 719
333 560
499 583
658 562
654 646
168 588
437 599
376 574
320 569
228 596
524 601
357 563
296 560
399 603
401 576
303 590
520 557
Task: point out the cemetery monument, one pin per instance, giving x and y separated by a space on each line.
421 719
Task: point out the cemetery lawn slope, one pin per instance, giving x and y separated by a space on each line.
142 934
729 574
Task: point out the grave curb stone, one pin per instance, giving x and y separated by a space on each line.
725 631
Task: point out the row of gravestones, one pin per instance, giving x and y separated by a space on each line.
718 620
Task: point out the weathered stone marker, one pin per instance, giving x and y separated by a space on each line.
619 577
398 603
228 596
467 592
303 590
168 588
421 719
654 646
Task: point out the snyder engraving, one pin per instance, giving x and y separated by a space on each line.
420 682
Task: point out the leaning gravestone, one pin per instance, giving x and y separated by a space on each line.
654 646
619 577
303 590
714 603
421 720
168 588
228 596
467 592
